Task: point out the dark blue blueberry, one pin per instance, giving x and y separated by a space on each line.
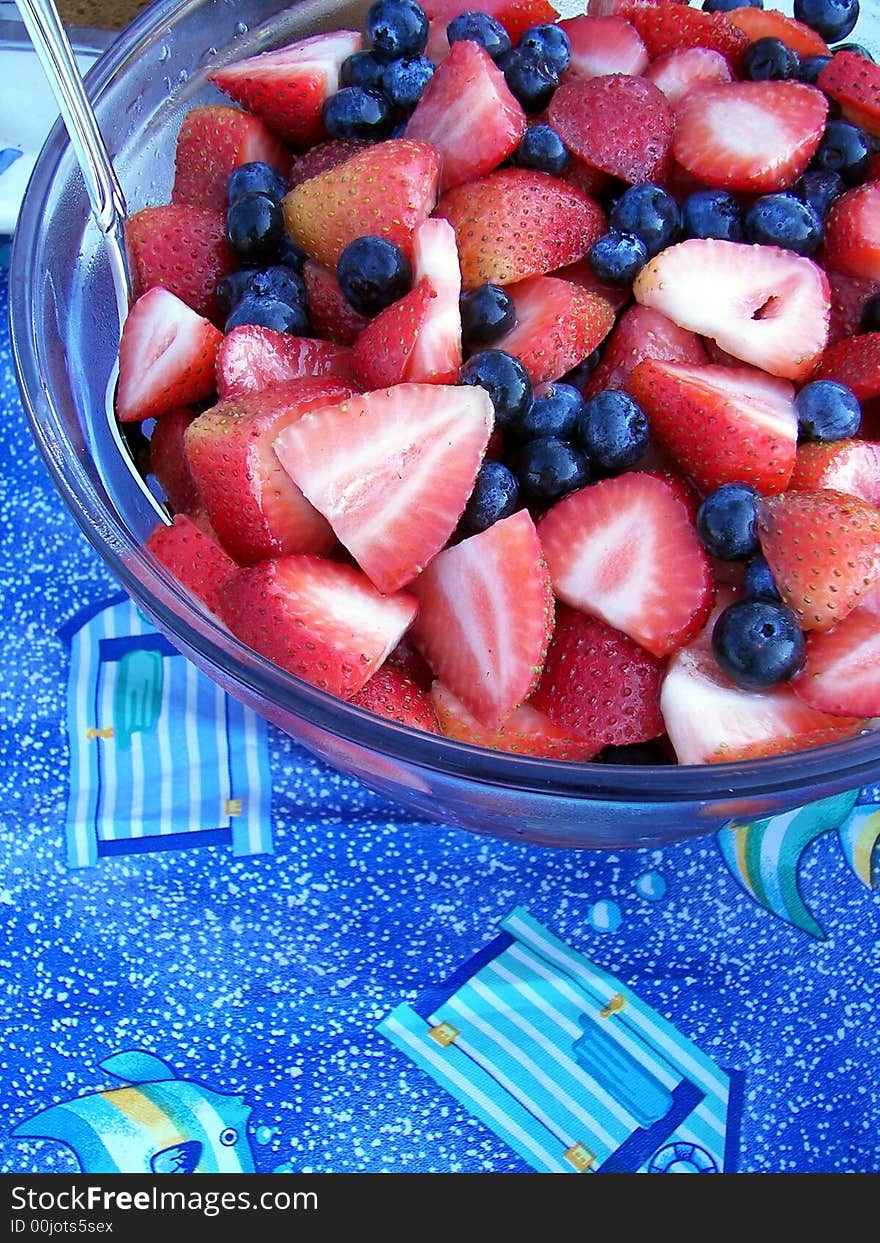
479 28
845 149
404 80
810 68
269 312
769 60
758 644
278 281
613 430
554 413
396 28
617 258
870 318
487 313
290 255
758 581
372 273
543 149
495 496
652 752
549 41
712 213
832 19
506 381
783 220
819 189
361 69
531 78
579 375
827 411
727 522
549 469
355 113
256 178
726 6
648 212
255 228
231 289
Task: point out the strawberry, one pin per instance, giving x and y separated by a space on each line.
848 297
288 85
664 26
391 471
193 558
382 352
166 357
642 332
436 358
322 621
515 223
854 362
408 660
385 190
321 158
771 24
750 136
330 313
168 463
852 232
252 358
485 617
516 16
590 181
853 81
823 549
850 466
256 510
625 550
841 673
467 112
557 324
769 307
617 123
392 694
598 684
525 732
182 249
601 45
679 71
720 424
213 140
581 273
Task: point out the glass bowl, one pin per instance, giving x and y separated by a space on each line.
65 337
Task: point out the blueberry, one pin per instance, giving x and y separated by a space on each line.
396 28
819 189
480 28
278 281
404 80
542 148
549 41
290 255
361 69
579 374
712 213
827 411
650 213
506 381
845 149
487 313
530 77
231 289
725 6
758 644
255 228
617 258
548 469
769 59
832 19
355 113
372 273
870 319
613 430
652 752
858 49
758 580
256 177
553 413
810 68
783 220
495 496
727 522
269 312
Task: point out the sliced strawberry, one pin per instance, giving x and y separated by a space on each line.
750 136
288 85
467 112
322 621
516 16
617 123
194 558
581 273
841 673
256 510
516 223
848 297
168 462
408 660
854 82
385 190
601 45
436 357
584 177
525 732
166 357
852 232
182 249
252 358
850 466
598 683
679 71
437 47
771 24
854 362
331 314
769 307
213 140
321 158
392 694
721 424
823 549
557 324
391 471
666 25
625 550
486 616
642 332
382 352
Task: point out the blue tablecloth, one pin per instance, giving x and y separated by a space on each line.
247 961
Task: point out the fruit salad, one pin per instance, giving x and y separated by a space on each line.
516 377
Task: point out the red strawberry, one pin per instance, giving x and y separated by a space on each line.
406 659
664 26
194 558
557 325
677 72
601 45
392 694
750 136
841 673
288 85
581 273
850 466
168 461
642 333
467 112
852 232
854 82
166 357
391 471
182 249
252 358
321 158
525 732
516 223
823 549
768 307
516 16
848 297
617 123
436 357
771 24
256 510
625 550
598 683
331 314
213 140
485 617
382 352
584 177
720 424
322 621
854 362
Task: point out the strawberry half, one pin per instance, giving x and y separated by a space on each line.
168 460
666 25
848 297
677 72
850 466
321 158
823 549
841 673
755 137
601 45
854 362
852 232
525 732
391 471
382 352
213 140
324 622
167 354
392 694
769 307
617 123
639 333
193 558
557 324
854 82
252 358
625 550
436 356
180 248
771 24
485 617
330 313
287 86
721 424
385 190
